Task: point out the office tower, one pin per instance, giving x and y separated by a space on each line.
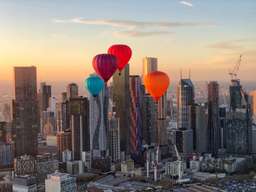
25 111
185 117
185 98
48 123
45 92
214 139
253 95
201 122
184 141
3 132
149 116
62 115
64 142
6 155
98 126
149 65
238 127
114 138
72 90
60 182
222 116
79 125
136 116
121 100
235 91
238 133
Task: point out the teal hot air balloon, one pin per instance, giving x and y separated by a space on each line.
94 84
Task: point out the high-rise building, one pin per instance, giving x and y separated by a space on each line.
121 100
149 65
149 116
98 125
60 182
114 138
214 137
45 92
185 98
238 126
3 126
25 113
79 126
72 90
136 116
253 95
235 91
238 133
185 117
201 121
64 142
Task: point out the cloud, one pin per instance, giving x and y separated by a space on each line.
133 24
227 45
186 3
134 28
140 33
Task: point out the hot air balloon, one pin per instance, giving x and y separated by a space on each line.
123 54
94 84
105 65
156 84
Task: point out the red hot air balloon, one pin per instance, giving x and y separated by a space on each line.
156 84
123 54
105 65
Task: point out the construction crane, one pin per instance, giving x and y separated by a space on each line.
233 73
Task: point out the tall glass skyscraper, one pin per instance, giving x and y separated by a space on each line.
214 137
25 111
136 116
121 100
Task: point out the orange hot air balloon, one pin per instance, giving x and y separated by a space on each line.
156 84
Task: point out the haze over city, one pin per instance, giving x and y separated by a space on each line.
61 37
127 95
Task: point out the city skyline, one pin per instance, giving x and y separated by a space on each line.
195 34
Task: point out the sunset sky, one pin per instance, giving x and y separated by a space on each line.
61 37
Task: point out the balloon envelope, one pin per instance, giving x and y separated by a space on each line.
156 83
105 65
123 54
94 84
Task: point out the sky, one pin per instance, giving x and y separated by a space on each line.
61 37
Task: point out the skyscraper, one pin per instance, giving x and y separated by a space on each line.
25 113
185 116
201 122
45 92
238 124
136 117
114 138
253 95
121 100
214 139
149 115
79 125
185 98
149 65
98 128
72 90
235 90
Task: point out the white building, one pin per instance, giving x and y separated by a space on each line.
175 169
60 182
